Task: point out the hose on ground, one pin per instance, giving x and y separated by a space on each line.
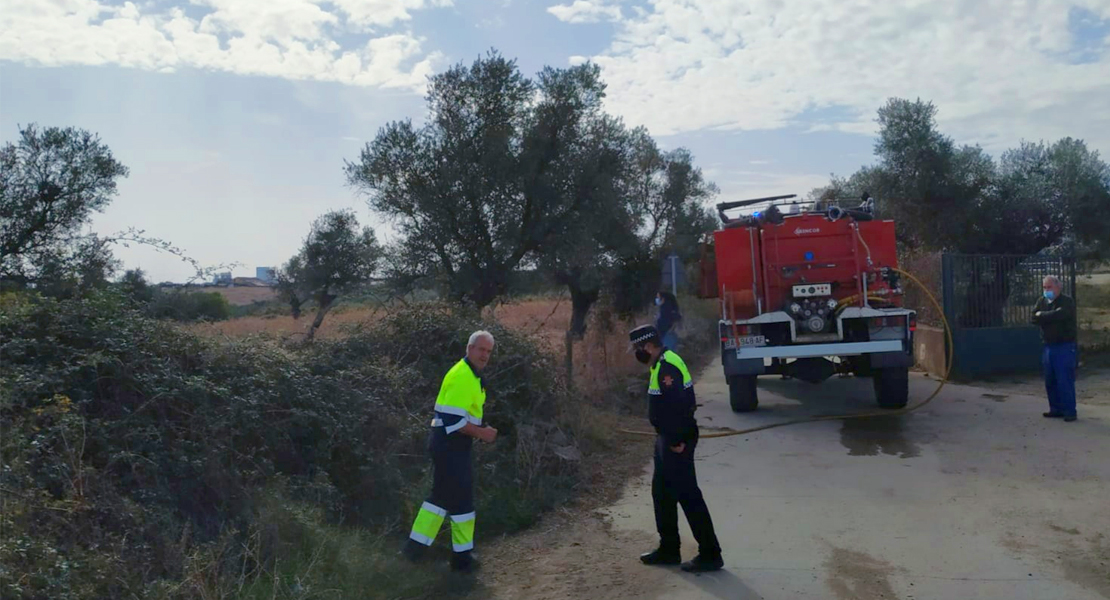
883 413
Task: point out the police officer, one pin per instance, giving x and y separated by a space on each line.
671 410
458 420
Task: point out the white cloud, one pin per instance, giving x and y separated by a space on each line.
740 183
374 13
996 69
292 39
586 11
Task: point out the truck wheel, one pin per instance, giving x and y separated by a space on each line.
742 393
892 386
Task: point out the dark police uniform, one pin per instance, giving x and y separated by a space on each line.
672 404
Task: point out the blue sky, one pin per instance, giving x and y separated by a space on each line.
235 116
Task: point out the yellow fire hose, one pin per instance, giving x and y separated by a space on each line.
884 413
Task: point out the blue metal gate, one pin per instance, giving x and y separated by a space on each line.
988 301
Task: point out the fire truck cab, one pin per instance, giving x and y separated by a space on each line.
809 292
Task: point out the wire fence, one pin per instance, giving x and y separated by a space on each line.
926 267
999 290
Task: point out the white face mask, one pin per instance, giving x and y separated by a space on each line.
659 302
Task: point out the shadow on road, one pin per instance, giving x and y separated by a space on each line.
796 399
784 400
726 586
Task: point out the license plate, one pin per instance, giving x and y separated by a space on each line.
752 340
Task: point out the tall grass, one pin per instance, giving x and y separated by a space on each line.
142 460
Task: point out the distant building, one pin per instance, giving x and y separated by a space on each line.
222 278
265 274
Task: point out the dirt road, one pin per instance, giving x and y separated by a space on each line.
974 496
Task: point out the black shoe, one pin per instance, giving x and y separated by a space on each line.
1052 415
464 563
413 550
701 564
1070 419
661 557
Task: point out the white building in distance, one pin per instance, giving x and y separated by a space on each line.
265 274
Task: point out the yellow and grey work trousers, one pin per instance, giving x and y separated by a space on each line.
452 496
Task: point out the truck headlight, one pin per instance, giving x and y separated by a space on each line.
795 307
831 303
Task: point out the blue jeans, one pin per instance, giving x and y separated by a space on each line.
1059 361
670 340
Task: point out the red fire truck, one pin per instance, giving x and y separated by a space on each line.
808 290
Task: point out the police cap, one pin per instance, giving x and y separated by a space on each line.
644 334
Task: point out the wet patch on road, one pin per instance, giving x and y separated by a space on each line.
996 397
878 435
1057 528
1090 566
1084 561
853 575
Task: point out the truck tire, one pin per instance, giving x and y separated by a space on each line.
892 386
742 393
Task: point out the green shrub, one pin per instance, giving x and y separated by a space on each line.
142 461
189 306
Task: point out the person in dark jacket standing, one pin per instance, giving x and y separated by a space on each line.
668 319
671 409
1055 314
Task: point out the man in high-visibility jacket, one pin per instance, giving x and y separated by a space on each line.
671 406
458 420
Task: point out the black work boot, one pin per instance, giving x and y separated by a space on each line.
661 556
464 562
413 550
703 564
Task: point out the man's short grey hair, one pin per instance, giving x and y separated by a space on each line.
1054 280
479 334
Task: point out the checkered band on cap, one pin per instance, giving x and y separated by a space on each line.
645 333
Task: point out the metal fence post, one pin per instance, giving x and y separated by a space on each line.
948 295
1070 262
948 292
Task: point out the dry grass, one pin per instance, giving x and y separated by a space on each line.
239 295
1093 297
283 326
601 360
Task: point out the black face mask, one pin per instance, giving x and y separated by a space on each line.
643 355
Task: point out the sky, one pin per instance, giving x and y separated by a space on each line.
235 117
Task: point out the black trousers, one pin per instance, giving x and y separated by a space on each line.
674 483
452 481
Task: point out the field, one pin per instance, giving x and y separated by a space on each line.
600 360
1093 298
240 295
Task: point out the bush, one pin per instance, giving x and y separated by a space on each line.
189 306
142 461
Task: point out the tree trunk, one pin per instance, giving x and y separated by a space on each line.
326 302
581 301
